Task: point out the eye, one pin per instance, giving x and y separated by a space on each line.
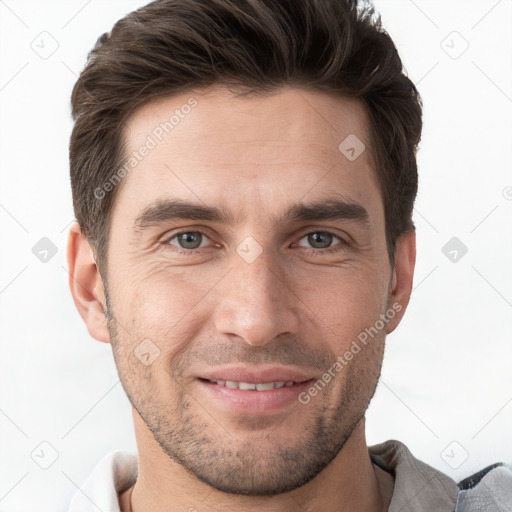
189 240
319 240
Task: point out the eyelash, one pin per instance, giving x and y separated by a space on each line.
308 250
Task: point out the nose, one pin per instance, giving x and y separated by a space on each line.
256 302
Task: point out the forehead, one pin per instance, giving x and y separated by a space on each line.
211 146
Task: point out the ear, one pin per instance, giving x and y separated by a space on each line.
86 284
403 274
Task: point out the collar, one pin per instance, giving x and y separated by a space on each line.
418 486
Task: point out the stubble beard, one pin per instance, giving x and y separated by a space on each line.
230 459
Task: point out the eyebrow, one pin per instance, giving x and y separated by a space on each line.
166 210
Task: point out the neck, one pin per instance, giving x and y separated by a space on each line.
349 483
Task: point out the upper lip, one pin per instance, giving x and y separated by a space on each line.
256 376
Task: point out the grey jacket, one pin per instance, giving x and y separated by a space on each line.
421 488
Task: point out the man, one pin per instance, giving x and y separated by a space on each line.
243 177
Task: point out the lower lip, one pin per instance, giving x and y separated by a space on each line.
255 402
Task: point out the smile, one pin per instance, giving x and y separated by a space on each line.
247 386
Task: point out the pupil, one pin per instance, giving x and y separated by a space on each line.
190 240
320 240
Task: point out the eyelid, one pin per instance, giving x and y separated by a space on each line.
325 231
185 229
166 240
320 232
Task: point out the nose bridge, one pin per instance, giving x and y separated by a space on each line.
258 275
255 303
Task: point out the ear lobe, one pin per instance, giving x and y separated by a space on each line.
403 274
86 285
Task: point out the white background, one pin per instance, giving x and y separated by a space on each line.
446 387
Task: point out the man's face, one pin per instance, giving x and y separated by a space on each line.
273 289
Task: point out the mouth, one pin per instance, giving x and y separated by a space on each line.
257 397
251 386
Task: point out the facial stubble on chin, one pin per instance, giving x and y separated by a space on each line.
231 459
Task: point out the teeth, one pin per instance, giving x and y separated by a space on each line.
265 387
247 386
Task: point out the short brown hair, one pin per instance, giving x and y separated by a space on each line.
171 46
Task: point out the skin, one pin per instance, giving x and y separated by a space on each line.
254 156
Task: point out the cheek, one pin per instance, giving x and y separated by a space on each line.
345 300
161 316
163 305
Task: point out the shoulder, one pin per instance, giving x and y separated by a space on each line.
489 489
422 488
417 486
